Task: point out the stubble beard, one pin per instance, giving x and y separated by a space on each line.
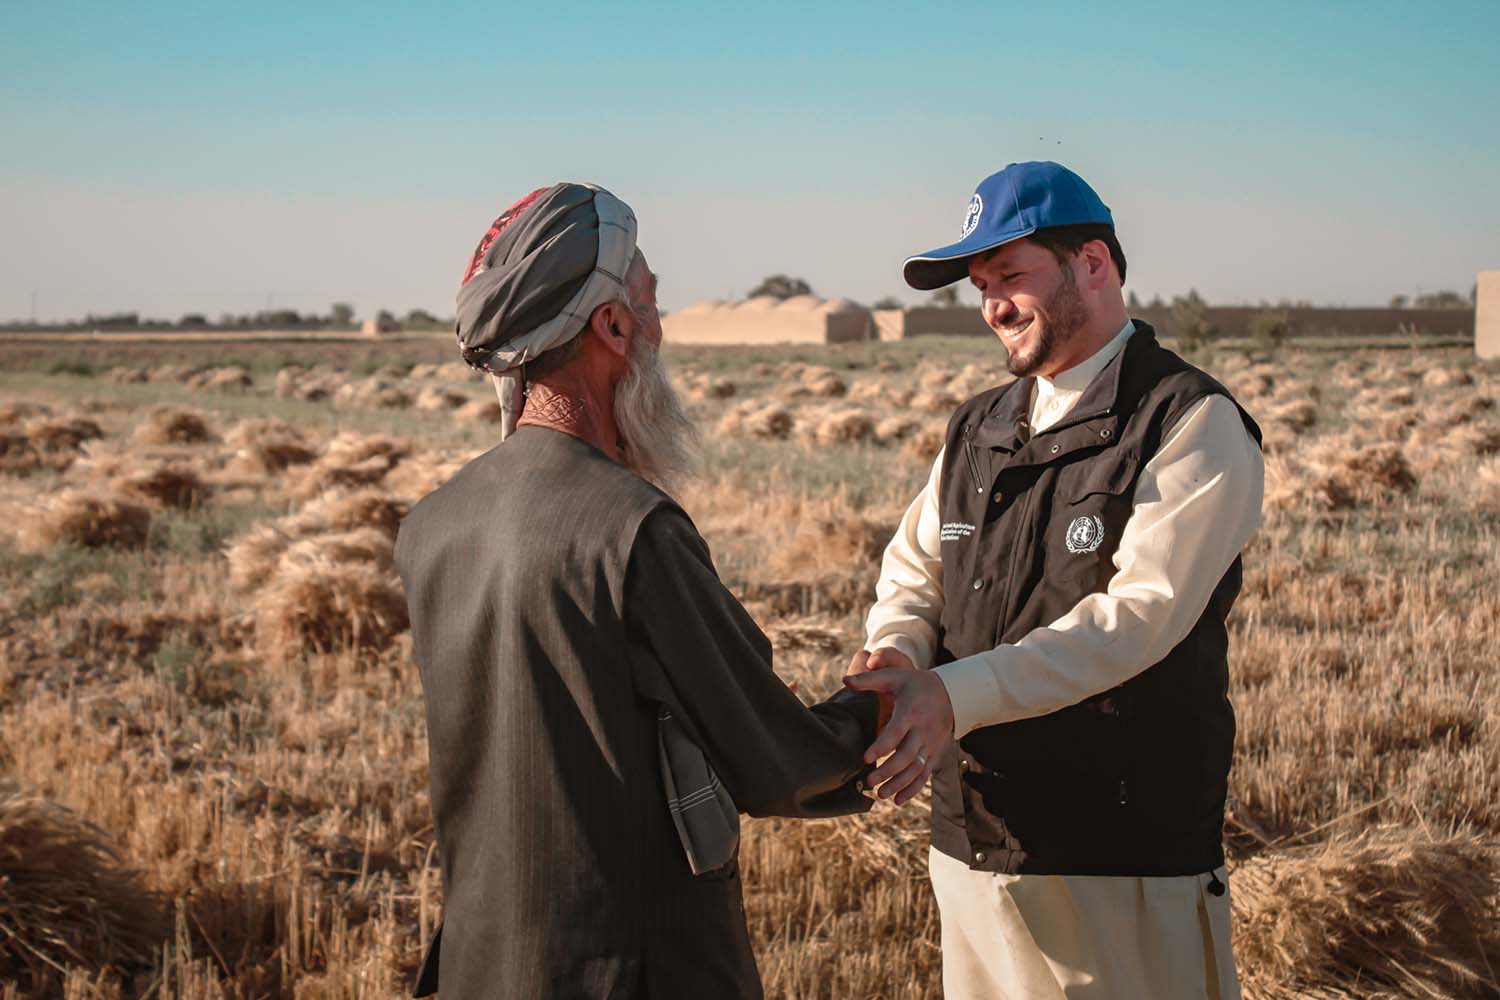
1061 317
658 440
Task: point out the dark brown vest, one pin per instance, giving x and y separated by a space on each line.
1133 780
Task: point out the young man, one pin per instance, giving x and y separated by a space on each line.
1066 574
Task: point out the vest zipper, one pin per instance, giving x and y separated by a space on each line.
973 459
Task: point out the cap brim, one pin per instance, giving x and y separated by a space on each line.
948 264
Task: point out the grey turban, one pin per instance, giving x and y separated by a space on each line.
541 270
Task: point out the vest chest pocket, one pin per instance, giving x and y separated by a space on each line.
1093 501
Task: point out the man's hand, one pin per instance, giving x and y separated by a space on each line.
921 725
880 659
883 658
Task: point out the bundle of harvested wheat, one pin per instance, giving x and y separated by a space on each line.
348 511
66 899
433 397
123 373
1440 377
485 409
835 425
936 401
266 447
349 460
167 484
924 445
17 456
325 606
893 429
358 546
788 636
372 393
768 422
816 380
414 478
60 435
86 519
228 377
172 425
254 555
1390 913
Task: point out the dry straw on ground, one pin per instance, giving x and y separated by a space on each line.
1390 913
245 720
67 900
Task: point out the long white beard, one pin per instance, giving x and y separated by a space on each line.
658 441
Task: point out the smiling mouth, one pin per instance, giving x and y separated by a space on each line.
1012 332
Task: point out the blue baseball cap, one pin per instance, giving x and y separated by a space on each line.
1007 206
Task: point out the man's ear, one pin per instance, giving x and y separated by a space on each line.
609 328
1096 262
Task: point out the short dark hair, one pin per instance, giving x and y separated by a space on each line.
1066 241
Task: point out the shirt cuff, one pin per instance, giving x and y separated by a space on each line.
973 690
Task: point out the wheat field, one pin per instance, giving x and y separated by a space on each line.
212 750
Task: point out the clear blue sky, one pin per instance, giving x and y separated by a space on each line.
207 157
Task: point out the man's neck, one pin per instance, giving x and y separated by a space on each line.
573 407
1102 329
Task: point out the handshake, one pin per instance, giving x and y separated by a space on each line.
916 721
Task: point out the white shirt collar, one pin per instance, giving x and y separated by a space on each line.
1055 396
1077 378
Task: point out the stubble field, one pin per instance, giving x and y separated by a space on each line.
212 749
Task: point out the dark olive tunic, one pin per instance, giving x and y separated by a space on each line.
557 600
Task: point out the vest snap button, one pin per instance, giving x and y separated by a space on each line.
1056 448
963 764
979 584
979 857
1104 433
998 497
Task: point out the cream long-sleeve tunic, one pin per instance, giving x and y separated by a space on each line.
1196 504
1050 937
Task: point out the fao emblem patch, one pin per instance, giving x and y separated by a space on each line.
1085 534
971 217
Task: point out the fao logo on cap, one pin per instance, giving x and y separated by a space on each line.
971 217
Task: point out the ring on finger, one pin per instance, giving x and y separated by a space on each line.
921 758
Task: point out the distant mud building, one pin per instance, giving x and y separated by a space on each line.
801 319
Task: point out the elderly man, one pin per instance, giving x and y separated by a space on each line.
1066 573
593 691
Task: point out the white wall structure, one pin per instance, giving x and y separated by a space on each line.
801 319
1487 315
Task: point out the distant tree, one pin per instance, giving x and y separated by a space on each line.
1156 303
946 296
1269 330
781 286
1398 301
1190 322
889 302
1474 294
420 318
1445 299
1133 303
341 314
193 319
